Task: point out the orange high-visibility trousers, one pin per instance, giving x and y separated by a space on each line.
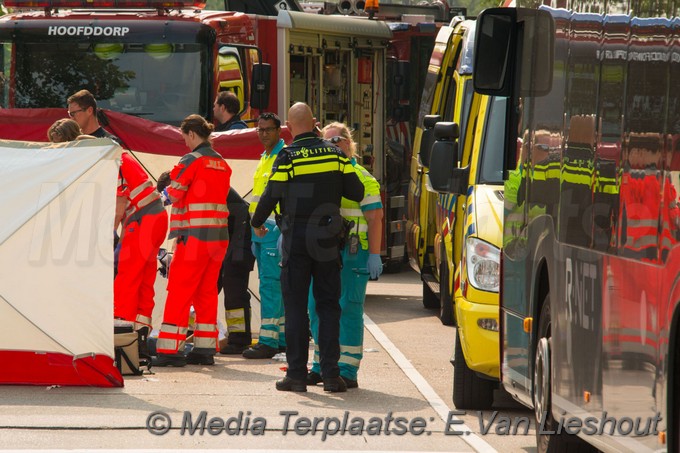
192 280
133 293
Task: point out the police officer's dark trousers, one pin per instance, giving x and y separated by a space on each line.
307 258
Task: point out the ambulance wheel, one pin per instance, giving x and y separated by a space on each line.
470 391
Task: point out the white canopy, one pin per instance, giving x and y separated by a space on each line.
56 257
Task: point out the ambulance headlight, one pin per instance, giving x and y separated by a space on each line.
483 264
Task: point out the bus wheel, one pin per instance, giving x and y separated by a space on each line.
553 443
446 314
469 390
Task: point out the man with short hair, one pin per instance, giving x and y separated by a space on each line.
272 330
226 111
308 179
144 225
82 107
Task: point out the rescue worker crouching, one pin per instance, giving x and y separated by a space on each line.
361 260
308 180
145 223
198 191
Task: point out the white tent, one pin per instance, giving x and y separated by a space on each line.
56 262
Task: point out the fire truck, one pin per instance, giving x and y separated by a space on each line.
150 63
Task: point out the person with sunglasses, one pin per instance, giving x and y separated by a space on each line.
272 333
82 107
361 260
308 179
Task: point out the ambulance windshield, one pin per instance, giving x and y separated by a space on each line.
159 82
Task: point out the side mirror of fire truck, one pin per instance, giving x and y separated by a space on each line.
261 83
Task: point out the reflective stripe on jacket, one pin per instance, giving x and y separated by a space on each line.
200 185
135 185
351 210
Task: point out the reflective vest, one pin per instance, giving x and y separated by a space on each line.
642 215
200 185
351 210
669 217
262 174
135 185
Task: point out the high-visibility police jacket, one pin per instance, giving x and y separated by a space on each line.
308 179
262 174
200 186
351 210
135 185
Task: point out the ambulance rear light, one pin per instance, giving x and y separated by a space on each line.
184 4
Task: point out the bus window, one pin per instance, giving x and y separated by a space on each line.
643 150
613 52
575 213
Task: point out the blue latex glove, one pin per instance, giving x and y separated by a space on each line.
375 266
165 197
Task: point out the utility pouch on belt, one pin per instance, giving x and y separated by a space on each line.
347 226
127 354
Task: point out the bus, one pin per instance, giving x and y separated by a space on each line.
589 313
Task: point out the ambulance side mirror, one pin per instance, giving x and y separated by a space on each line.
427 138
444 175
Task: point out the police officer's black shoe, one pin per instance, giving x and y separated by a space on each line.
351 383
200 359
260 351
334 385
169 360
291 385
313 378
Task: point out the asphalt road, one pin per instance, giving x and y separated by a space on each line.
402 404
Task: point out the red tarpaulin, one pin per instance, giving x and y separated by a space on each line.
137 134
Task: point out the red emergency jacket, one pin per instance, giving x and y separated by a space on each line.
135 185
199 189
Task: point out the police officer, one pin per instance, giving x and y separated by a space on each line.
308 180
235 275
361 260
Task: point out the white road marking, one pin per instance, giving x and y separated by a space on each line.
424 388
